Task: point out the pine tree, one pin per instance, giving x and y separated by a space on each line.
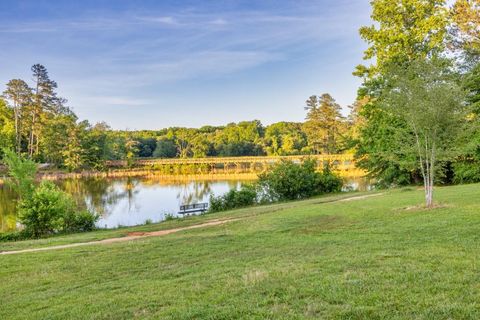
324 124
20 95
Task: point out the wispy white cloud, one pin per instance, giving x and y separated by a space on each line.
219 21
113 57
117 101
159 19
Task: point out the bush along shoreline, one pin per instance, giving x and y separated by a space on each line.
285 181
43 209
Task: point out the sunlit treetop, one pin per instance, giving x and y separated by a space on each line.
404 31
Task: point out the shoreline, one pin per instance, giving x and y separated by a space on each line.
54 176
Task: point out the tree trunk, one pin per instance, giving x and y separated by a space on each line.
17 129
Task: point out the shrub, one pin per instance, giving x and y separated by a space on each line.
14 236
246 196
22 173
290 181
50 210
329 181
42 213
79 222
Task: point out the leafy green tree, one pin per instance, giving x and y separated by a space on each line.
73 153
55 137
183 141
405 30
466 29
131 149
95 144
146 146
165 148
430 101
242 139
200 146
285 138
376 148
467 165
7 129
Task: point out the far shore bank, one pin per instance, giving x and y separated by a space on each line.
59 175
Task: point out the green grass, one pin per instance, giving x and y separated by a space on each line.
315 259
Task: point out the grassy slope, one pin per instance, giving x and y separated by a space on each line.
364 259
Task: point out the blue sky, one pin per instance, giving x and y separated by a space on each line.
153 64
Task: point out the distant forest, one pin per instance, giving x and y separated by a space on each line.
37 123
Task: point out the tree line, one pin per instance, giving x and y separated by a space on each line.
38 124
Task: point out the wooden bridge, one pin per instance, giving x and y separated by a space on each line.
344 164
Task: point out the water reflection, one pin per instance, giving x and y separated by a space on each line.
7 209
126 201
133 201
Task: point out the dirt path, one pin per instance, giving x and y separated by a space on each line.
139 235
361 197
129 237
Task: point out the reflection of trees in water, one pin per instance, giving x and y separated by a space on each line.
100 194
192 192
7 209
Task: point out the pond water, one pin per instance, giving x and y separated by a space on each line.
134 201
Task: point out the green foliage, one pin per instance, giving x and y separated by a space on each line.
376 147
44 211
285 138
285 181
246 196
291 181
324 125
49 210
316 259
465 29
82 221
22 173
428 97
7 127
165 148
14 236
405 30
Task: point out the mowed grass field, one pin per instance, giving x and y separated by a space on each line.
374 258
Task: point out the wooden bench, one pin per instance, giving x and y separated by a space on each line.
192 208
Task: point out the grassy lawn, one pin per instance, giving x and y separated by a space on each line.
315 259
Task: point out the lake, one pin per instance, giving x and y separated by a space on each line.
134 201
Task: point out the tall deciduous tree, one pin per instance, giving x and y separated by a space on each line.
430 101
7 128
405 30
466 28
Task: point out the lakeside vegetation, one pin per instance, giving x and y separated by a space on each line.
286 246
379 258
416 118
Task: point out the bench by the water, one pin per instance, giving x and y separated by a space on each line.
191 208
